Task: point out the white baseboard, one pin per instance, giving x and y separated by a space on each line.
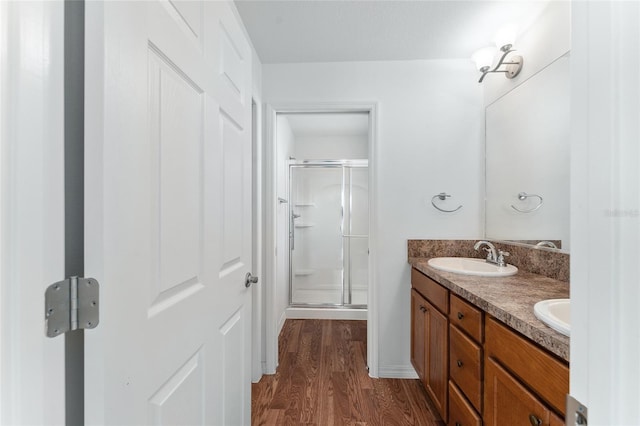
397 372
281 321
265 371
324 313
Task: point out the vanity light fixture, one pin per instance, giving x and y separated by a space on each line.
504 42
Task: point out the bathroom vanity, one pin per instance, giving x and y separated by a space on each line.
480 352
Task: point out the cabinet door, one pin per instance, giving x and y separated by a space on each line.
554 420
437 351
507 402
461 412
418 320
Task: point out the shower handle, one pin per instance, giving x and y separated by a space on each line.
292 232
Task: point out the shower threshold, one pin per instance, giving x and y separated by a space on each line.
326 312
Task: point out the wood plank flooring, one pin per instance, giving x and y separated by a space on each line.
322 380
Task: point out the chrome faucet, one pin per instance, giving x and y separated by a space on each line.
546 244
493 256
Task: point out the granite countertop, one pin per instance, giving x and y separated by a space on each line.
508 299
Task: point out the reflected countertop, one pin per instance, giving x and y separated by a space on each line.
508 299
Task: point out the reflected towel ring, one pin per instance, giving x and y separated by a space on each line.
523 196
442 196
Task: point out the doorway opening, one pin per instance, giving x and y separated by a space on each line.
321 211
323 225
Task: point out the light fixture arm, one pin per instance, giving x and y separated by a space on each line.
513 66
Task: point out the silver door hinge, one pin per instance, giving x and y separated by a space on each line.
71 304
577 414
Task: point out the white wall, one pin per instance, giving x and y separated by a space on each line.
284 149
430 139
332 147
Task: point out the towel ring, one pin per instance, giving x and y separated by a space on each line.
442 196
523 196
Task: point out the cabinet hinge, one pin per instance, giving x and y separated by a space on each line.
71 304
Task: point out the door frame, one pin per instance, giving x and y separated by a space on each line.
272 323
32 374
258 267
604 210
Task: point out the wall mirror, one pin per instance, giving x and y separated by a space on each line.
527 161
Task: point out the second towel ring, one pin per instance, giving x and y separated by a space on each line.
443 196
523 196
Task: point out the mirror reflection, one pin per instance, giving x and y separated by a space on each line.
527 161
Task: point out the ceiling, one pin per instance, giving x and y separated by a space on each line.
293 31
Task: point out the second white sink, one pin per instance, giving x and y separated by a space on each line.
556 313
471 266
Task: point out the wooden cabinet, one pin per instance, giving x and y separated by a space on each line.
437 364
465 366
461 413
418 321
466 331
430 339
522 381
467 318
509 402
536 368
477 370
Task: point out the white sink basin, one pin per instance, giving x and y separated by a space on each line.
555 313
471 266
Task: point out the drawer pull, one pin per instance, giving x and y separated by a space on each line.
423 309
459 363
460 315
535 421
458 424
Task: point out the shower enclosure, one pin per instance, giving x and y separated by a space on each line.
329 233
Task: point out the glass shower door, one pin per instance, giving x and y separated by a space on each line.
315 237
329 235
356 235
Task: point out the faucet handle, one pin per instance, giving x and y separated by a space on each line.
501 255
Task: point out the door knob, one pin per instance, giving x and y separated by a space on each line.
250 279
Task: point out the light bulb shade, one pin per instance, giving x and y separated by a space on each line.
506 36
484 58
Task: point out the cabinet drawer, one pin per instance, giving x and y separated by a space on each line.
467 317
465 365
461 413
431 290
542 372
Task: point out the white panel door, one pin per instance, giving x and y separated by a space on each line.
31 209
168 202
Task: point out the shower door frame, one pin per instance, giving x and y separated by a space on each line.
328 164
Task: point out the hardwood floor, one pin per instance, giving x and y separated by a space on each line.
322 380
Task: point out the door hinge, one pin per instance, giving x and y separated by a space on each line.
577 413
71 304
